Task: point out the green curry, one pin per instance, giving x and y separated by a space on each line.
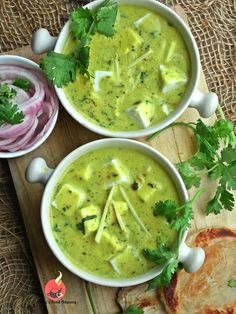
102 211
138 76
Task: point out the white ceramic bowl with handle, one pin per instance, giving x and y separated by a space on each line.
37 171
205 103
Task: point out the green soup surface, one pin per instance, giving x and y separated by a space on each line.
138 76
78 203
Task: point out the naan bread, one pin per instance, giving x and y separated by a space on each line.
148 300
206 291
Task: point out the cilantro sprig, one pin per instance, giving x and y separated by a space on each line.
179 217
61 69
23 84
232 283
133 309
9 112
215 157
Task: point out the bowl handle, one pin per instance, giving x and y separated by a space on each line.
42 41
37 171
205 103
191 258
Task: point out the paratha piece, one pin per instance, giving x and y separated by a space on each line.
148 300
206 291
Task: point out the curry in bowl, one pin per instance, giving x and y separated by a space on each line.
101 211
137 77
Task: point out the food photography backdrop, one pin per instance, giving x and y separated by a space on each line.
213 26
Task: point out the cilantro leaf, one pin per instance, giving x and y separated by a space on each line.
59 69
133 309
105 18
222 199
214 206
23 84
207 142
184 217
6 93
9 112
216 172
228 178
222 128
199 161
166 275
228 154
227 200
160 255
81 22
166 208
188 175
232 283
81 54
179 216
80 225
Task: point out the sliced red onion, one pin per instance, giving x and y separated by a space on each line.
7 141
13 72
21 96
9 131
39 106
23 140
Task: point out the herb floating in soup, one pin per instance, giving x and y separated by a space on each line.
102 212
136 72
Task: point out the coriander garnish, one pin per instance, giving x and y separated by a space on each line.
61 69
9 112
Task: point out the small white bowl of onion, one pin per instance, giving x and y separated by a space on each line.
28 106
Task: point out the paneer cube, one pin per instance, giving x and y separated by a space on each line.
171 77
90 225
171 50
112 241
115 173
121 207
134 38
68 199
148 189
142 113
100 75
84 173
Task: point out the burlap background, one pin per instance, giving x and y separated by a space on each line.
213 24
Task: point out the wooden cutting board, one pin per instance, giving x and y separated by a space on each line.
177 144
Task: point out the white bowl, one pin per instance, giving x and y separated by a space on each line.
37 171
205 103
16 60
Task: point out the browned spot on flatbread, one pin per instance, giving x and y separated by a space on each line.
147 302
205 236
214 311
170 297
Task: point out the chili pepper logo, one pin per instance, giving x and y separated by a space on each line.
55 289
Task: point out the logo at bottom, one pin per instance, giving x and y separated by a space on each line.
55 289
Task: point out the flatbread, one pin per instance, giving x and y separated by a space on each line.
148 300
206 291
